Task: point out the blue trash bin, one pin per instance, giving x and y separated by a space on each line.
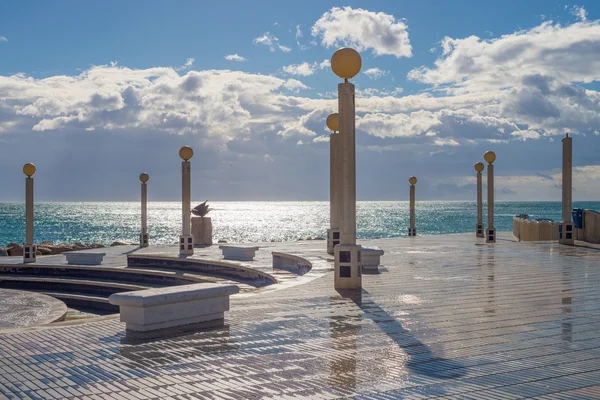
577 215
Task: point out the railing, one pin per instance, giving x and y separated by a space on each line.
527 230
591 226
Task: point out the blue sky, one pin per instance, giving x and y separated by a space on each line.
95 93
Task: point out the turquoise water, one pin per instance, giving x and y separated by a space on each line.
254 221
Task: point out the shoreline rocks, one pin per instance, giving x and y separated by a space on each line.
46 248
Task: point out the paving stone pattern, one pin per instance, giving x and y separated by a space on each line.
447 317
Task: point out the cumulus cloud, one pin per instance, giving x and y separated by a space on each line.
235 57
272 42
326 63
569 53
375 73
305 125
188 63
303 69
579 12
381 33
216 105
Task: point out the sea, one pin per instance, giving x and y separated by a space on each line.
256 221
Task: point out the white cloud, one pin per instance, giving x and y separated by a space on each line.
305 125
298 36
526 134
373 92
271 42
295 85
364 30
235 57
375 73
321 139
579 12
303 69
215 105
445 142
326 63
570 53
188 63
3 39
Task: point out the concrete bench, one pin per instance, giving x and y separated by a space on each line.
84 257
370 257
151 309
239 253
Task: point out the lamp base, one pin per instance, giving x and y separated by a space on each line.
186 245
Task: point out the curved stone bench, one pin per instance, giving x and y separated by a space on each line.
291 262
370 257
239 253
152 309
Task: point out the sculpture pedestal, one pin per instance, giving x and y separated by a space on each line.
202 231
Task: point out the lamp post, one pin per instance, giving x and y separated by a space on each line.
565 227
479 229
490 236
186 240
144 177
29 249
412 230
333 234
346 64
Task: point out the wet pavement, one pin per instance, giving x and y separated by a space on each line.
446 317
21 308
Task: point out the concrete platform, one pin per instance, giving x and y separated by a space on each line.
445 317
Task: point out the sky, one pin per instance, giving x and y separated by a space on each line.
95 93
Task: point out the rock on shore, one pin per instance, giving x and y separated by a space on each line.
48 248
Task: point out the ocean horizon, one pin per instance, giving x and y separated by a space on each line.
256 221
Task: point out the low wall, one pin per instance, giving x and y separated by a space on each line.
533 230
591 226
291 262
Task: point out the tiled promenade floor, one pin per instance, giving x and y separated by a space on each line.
444 318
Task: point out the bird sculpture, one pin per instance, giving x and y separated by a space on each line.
201 210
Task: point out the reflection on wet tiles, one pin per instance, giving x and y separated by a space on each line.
455 320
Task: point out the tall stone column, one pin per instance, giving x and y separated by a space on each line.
144 235
346 64
412 230
186 240
490 233
29 249
333 233
479 228
565 227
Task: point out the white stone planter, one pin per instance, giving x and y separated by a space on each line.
371 258
152 309
239 253
84 257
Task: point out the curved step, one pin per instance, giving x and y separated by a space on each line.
224 269
82 300
75 281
